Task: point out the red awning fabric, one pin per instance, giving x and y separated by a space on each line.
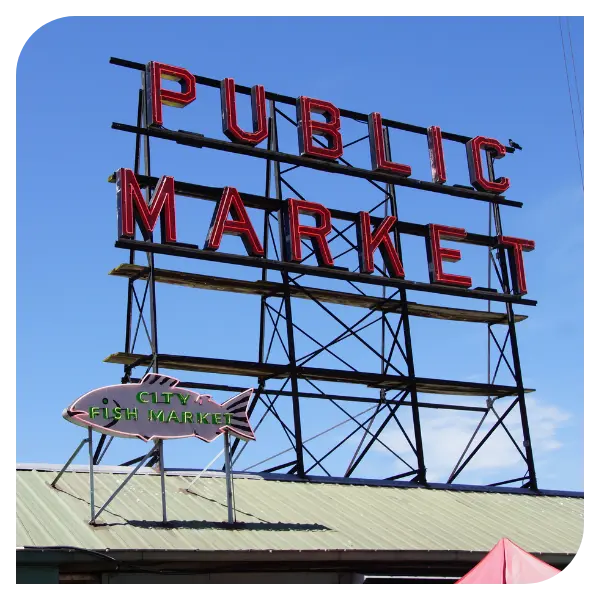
507 563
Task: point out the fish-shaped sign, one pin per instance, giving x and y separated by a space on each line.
155 409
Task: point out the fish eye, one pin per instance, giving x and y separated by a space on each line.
104 400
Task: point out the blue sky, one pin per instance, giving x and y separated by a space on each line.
498 77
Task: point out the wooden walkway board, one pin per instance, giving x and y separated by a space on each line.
278 371
271 288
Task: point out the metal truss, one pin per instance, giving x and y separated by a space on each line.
397 383
498 260
141 302
277 313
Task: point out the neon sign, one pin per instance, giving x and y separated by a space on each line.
309 127
157 409
231 218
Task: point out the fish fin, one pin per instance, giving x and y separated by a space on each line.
163 380
240 424
239 402
200 398
244 432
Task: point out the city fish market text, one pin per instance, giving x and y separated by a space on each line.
117 413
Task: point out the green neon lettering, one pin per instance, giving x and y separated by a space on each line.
188 417
131 414
167 397
173 417
105 411
183 398
116 412
139 395
216 418
94 412
156 415
202 418
154 398
227 418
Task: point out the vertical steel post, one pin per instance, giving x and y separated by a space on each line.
91 452
149 236
264 271
162 480
263 297
384 367
288 307
131 280
150 257
136 170
489 303
421 476
228 482
512 330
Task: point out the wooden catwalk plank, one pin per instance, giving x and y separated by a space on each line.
270 288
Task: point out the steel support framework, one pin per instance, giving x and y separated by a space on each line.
141 307
392 313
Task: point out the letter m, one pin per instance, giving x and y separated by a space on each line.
132 205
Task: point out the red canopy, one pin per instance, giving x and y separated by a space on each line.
507 563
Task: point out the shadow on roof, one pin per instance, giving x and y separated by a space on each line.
220 525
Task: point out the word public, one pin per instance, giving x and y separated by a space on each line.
329 128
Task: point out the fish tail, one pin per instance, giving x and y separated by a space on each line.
237 407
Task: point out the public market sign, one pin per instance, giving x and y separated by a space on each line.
374 235
157 409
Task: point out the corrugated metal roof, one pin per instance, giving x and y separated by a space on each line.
285 515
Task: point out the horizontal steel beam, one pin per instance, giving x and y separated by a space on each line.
291 101
194 385
279 371
197 140
188 251
274 289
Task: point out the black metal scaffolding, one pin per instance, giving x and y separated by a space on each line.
282 285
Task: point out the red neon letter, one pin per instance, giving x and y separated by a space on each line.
229 114
517 246
240 225
156 96
479 182
436 255
369 243
436 154
294 232
330 129
129 194
379 159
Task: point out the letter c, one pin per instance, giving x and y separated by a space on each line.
139 397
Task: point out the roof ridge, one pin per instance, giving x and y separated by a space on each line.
114 469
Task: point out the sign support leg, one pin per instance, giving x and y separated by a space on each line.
71 459
228 479
123 484
91 451
162 480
